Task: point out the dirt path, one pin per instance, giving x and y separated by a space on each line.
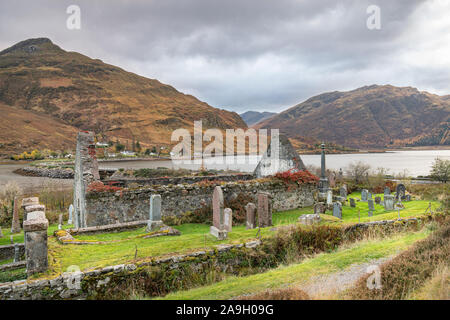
323 287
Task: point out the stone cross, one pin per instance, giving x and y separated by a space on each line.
218 228
36 250
154 220
364 193
228 219
337 209
264 210
250 210
15 226
352 203
70 221
388 202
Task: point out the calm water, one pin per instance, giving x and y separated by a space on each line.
416 162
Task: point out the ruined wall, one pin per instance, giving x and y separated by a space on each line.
7 251
133 205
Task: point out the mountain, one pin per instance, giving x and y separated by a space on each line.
75 91
253 117
371 116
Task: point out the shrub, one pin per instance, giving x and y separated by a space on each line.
296 177
279 294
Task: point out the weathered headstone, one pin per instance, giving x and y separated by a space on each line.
329 198
36 250
343 192
337 209
15 226
60 221
228 219
332 179
218 228
154 219
264 210
70 221
371 205
369 195
86 172
387 190
352 203
364 194
319 208
400 191
250 210
377 200
388 202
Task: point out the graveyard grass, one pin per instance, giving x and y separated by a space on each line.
298 274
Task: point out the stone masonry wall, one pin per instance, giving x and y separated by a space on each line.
133 205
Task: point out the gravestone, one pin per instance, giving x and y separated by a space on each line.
337 209
15 225
264 210
36 250
352 203
343 191
280 156
387 190
228 219
400 191
332 179
371 207
388 202
377 200
29 202
369 195
60 221
329 198
16 253
70 221
364 194
319 208
408 197
218 228
154 220
250 210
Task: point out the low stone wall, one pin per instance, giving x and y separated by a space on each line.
164 181
54 173
103 208
7 251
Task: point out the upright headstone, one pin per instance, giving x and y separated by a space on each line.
332 179
70 221
86 172
369 195
388 202
329 198
371 205
364 194
218 228
387 190
154 219
352 203
377 200
343 192
60 221
250 210
15 226
264 210
228 219
319 208
36 250
337 209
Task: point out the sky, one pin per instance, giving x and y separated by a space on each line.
240 55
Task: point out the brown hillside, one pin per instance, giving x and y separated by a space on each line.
371 116
81 92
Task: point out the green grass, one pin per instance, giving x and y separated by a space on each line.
19 237
295 274
122 246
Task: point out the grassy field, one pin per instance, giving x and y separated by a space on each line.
296 274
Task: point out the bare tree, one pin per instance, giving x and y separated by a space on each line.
358 171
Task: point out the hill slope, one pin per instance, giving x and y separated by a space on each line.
38 76
253 117
371 116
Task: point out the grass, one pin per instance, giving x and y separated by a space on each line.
19 237
193 237
296 274
436 288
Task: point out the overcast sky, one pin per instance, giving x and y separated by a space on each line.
264 55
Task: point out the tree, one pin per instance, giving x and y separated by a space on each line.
358 171
119 147
440 170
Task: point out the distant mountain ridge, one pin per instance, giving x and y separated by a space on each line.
371 116
253 117
76 91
